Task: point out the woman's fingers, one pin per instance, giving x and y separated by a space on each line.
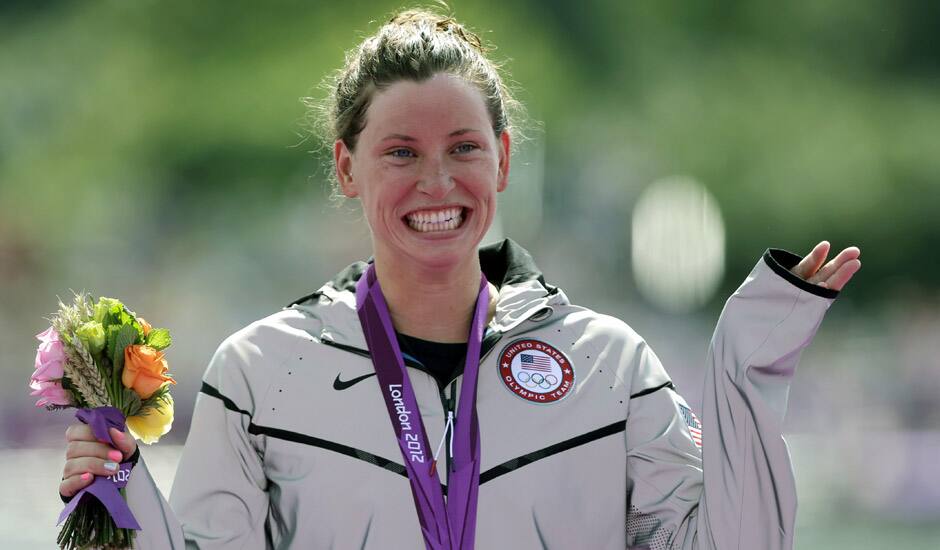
124 442
849 254
90 464
93 449
834 274
74 484
79 432
842 275
87 457
811 263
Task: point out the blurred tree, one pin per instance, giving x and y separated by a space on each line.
805 120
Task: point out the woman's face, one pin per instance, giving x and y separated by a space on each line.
426 168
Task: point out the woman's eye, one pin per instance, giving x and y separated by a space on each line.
466 148
401 153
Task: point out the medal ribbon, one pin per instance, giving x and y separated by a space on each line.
450 525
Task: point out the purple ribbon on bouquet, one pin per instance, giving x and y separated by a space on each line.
105 488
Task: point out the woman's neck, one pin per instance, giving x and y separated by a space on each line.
432 304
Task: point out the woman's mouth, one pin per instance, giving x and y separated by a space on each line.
441 219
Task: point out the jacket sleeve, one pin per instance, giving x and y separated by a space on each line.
219 497
738 490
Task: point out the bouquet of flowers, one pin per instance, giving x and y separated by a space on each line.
106 361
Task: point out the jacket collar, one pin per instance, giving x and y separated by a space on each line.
523 293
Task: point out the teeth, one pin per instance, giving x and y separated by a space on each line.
440 220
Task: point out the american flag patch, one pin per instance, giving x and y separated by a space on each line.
535 362
695 427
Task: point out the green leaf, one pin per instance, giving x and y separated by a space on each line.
159 338
128 318
114 312
73 391
113 331
132 403
103 309
125 337
158 399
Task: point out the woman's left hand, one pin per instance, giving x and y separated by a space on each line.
834 274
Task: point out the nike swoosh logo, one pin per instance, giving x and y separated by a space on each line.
346 384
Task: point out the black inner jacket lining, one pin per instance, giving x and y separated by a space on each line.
503 263
492 473
489 341
782 261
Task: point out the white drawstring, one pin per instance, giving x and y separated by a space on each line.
450 443
448 428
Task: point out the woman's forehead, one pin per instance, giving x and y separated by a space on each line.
441 104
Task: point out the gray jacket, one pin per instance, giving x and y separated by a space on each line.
291 444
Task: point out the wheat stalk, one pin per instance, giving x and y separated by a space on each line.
90 387
80 365
77 381
90 374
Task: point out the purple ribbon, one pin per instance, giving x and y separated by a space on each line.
105 488
450 526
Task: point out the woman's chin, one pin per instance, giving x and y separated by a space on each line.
442 250
442 254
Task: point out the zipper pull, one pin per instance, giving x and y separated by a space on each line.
448 428
450 444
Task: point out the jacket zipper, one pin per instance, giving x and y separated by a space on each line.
447 402
449 411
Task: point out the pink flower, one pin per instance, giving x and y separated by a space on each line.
50 357
50 392
50 360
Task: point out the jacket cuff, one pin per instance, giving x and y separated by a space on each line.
132 459
782 261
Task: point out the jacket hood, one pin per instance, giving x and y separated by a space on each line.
523 293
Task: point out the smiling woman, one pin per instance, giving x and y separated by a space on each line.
427 167
556 426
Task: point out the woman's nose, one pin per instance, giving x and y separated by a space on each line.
436 181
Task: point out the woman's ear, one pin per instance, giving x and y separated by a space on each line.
503 174
342 160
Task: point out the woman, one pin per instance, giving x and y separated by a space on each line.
446 397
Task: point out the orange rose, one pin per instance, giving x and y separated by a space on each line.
145 326
144 370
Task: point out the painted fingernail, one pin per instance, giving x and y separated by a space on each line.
117 434
115 455
111 466
86 476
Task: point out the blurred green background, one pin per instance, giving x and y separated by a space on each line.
156 152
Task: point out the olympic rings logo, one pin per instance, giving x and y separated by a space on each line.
534 380
535 371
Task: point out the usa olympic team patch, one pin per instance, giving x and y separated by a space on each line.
536 371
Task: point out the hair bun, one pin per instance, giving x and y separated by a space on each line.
437 23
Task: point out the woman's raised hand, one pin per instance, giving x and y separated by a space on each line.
834 274
86 457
